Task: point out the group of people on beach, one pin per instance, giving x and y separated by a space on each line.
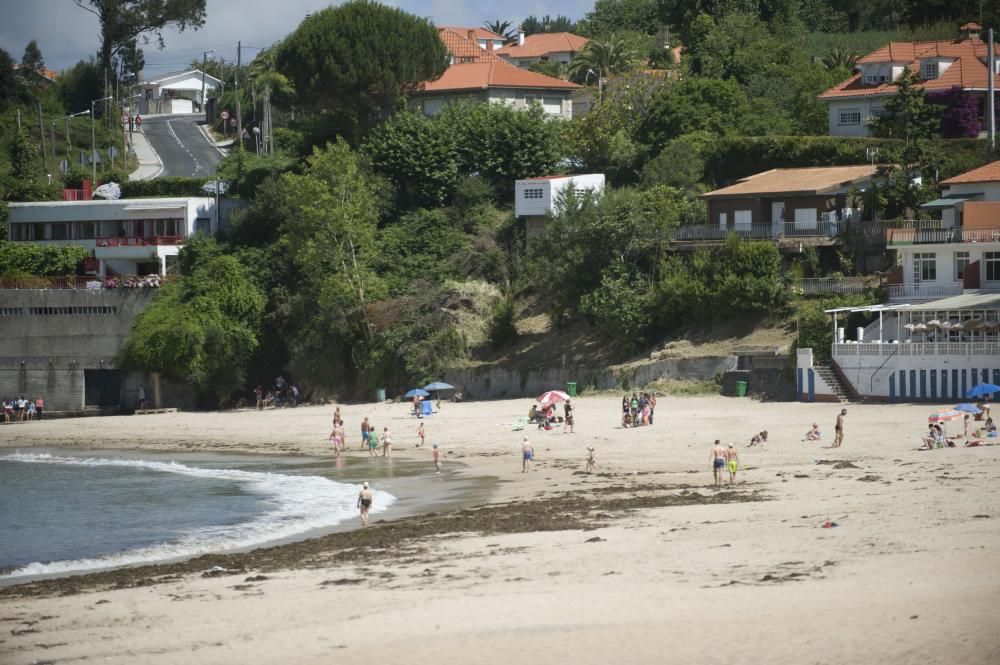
544 415
638 411
23 410
283 394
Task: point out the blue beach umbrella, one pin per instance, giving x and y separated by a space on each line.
417 392
441 385
983 389
968 408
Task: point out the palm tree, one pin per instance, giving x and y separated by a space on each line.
604 58
263 75
840 58
502 28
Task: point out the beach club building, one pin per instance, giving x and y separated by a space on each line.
125 236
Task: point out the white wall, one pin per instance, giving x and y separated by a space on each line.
989 190
866 107
556 103
861 365
945 261
551 188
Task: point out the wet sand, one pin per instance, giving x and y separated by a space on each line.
643 560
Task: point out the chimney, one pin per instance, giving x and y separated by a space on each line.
471 34
970 32
520 35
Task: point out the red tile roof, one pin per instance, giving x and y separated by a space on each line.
478 33
475 68
967 71
987 173
536 46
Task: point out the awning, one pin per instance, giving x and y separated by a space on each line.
950 201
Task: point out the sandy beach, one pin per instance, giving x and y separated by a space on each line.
643 561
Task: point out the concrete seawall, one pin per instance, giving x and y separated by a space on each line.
60 344
491 382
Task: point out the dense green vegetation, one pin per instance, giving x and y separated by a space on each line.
379 246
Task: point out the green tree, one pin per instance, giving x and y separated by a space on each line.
534 25
201 328
21 258
680 164
27 180
615 16
355 61
612 55
502 144
418 154
123 21
32 62
840 58
695 104
80 84
8 79
503 28
421 247
908 115
618 307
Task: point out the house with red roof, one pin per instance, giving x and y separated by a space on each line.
559 47
477 73
939 65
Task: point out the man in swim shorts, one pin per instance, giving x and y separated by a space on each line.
732 462
364 503
437 460
838 436
717 459
527 453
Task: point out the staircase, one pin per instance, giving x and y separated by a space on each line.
830 377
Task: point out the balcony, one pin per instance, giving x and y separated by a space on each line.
989 349
137 241
922 291
931 232
695 232
84 282
839 285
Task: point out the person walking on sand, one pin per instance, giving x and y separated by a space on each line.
527 453
568 425
386 442
838 428
732 462
591 459
365 430
364 503
437 460
420 435
717 459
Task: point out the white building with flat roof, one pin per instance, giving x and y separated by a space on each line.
125 236
536 199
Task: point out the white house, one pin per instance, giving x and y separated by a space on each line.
536 199
126 236
177 92
959 253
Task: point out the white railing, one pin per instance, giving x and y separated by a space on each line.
922 290
830 285
709 232
812 228
960 349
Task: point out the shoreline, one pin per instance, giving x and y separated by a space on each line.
643 557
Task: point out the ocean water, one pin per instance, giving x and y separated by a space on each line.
64 512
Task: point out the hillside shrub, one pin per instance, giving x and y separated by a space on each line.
17 258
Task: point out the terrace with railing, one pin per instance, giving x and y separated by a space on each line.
84 282
139 241
918 232
821 228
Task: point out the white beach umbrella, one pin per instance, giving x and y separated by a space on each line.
934 323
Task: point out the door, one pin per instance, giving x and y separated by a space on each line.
777 217
102 387
723 221
181 106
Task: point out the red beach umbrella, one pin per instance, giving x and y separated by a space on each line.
552 396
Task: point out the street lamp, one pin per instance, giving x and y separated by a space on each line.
204 63
93 138
69 143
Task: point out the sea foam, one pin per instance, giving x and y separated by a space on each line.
293 505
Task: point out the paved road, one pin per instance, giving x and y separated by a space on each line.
181 146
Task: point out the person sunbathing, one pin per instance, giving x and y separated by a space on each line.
813 434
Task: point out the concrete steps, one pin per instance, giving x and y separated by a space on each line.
832 380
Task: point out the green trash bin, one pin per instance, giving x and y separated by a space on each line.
380 394
741 388
571 389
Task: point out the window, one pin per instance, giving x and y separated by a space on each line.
871 78
742 219
961 263
930 70
883 78
992 261
924 267
87 230
533 193
60 231
878 112
850 117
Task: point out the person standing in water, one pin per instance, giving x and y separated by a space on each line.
372 442
717 459
386 443
365 429
420 435
437 460
527 453
364 503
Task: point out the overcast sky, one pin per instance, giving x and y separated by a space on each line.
66 33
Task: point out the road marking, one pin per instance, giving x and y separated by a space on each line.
181 143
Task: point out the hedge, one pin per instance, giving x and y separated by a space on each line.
162 187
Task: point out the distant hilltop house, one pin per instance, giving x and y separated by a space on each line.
559 47
536 199
41 74
940 66
177 92
477 73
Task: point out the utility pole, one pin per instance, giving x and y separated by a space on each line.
204 63
41 130
991 111
239 117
